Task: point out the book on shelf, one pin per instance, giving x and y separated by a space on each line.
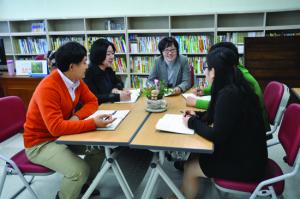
138 81
135 94
119 65
119 114
57 42
141 64
173 123
145 44
282 34
198 63
201 82
193 43
206 97
119 43
38 27
31 46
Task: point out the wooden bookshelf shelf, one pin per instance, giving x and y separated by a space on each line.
193 24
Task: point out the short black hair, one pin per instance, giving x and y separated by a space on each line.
69 53
99 50
228 45
167 42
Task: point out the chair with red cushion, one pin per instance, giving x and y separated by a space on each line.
271 183
12 119
276 97
192 75
39 57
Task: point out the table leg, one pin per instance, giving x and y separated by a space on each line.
101 173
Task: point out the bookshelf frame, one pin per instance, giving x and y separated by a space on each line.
214 24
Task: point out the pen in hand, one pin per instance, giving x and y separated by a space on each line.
111 114
189 114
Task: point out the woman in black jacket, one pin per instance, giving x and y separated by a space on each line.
100 78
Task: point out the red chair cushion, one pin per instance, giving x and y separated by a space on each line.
272 97
192 75
272 170
26 166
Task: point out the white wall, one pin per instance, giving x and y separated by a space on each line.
27 9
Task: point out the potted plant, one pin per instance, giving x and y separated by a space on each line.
155 94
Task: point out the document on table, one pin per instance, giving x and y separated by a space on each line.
173 123
119 114
206 97
134 96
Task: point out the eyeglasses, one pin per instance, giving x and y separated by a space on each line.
205 67
167 51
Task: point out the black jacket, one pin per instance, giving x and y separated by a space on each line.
94 79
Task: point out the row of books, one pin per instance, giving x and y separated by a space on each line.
118 42
201 82
138 81
241 60
144 44
193 43
119 65
26 58
38 27
59 41
237 37
282 34
141 64
197 63
109 25
31 46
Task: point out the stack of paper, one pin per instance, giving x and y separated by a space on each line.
173 123
207 97
119 114
134 96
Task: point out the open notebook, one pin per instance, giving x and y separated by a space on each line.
119 114
173 123
207 97
134 96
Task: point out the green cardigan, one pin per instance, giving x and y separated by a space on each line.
203 104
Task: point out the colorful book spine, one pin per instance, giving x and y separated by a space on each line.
119 43
198 63
31 46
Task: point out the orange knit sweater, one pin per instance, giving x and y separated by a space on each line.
50 108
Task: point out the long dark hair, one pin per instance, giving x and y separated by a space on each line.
225 61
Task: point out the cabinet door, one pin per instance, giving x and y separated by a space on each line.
25 92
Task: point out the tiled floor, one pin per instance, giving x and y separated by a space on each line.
47 187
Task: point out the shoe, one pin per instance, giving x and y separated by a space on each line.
179 165
85 187
57 196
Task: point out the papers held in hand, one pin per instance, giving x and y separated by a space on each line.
119 114
134 96
207 97
173 123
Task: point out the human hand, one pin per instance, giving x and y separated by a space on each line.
177 91
100 122
198 91
115 91
186 120
125 96
188 111
191 101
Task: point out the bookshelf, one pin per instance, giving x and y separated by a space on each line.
213 25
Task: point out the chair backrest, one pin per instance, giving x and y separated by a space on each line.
192 75
276 96
12 116
39 57
289 132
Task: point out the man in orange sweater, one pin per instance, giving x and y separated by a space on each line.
51 114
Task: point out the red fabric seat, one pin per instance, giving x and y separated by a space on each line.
192 75
272 170
26 166
273 177
39 57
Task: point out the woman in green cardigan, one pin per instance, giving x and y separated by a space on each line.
203 104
